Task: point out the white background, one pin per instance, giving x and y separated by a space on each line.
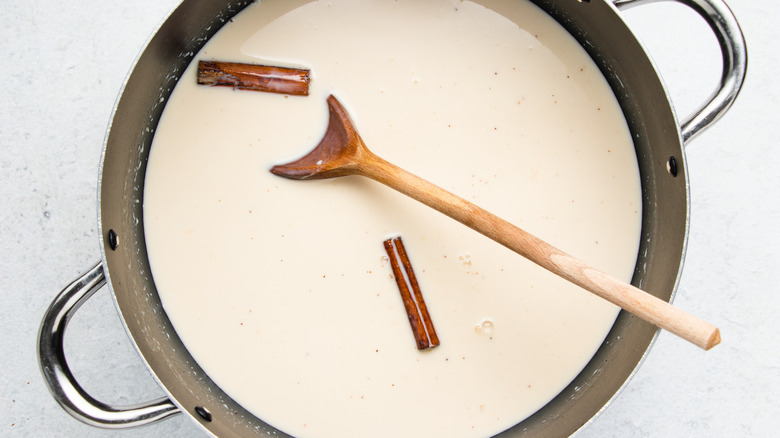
63 64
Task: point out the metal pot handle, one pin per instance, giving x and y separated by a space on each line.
732 45
60 380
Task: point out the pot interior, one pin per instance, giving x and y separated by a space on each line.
599 29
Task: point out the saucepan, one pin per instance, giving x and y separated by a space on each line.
659 139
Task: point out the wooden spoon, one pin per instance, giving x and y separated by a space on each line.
342 152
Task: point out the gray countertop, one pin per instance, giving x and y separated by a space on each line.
63 64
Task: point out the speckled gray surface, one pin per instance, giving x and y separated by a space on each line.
63 64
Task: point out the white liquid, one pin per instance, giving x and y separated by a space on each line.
279 288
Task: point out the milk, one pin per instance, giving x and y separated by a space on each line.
281 289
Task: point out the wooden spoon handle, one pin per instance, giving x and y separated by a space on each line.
628 297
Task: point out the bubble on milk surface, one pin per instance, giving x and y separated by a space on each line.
484 327
465 259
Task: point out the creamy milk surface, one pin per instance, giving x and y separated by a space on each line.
281 289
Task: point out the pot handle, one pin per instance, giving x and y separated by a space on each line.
732 45
60 380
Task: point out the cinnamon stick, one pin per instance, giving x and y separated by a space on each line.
254 77
416 310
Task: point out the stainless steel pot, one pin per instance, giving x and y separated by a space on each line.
659 141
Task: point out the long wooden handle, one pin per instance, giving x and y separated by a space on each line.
628 297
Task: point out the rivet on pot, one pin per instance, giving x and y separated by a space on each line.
671 166
113 240
203 413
